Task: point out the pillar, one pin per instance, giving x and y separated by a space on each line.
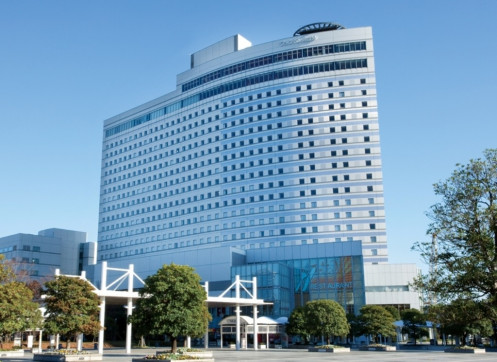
254 296
103 289
129 307
256 333
79 342
237 310
206 336
40 342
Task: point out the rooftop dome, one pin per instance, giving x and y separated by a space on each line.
317 27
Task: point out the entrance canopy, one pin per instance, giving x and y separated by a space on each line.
121 291
247 325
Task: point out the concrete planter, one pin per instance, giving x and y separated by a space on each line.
170 360
464 350
198 354
330 350
378 348
67 358
13 353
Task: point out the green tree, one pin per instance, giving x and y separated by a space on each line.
462 317
172 303
393 311
72 308
355 325
414 324
375 321
464 223
296 324
18 312
326 318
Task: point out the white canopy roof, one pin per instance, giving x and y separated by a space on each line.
246 320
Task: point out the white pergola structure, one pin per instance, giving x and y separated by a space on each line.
237 301
109 294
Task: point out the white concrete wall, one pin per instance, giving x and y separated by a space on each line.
388 281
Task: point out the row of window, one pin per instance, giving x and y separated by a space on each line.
239 176
215 138
241 83
188 215
11 248
168 124
352 130
273 166
163 246
274 58
321 181
292 237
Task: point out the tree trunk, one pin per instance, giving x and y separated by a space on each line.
68 343
174 345
494 327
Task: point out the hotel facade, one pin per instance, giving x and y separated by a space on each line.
264 161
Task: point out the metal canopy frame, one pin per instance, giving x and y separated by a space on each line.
109 293
238 302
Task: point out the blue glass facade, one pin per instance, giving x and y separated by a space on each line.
319 272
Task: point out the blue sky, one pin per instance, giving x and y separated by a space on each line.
65 66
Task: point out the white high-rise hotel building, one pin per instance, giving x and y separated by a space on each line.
269 147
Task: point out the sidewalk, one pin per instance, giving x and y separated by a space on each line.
290 355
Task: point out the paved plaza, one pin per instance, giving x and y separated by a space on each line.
283 355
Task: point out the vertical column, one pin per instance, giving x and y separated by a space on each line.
254 297
237 310
206 337
79 347
40 346
237 327
129 311
103 289
256 332
188 342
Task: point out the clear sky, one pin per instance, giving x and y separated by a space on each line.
66 66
